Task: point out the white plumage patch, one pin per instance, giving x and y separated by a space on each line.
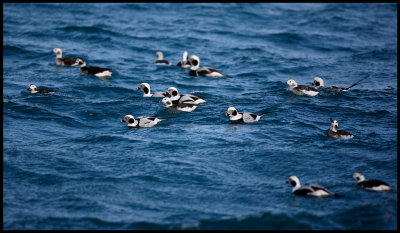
380 188
187 109
310 93
319 193
346 136
104 74
214 75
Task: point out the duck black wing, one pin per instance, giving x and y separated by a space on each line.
95 69
371 183
189 99
317 187
343 133
44 91
305 88
162 62
303 191
69 61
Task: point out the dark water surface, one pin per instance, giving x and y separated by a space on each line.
68 162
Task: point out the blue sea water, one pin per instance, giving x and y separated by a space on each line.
69 163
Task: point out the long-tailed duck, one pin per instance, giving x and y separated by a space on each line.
311 189
301 89
34 89
66 61
195 70
179 106
95 70
160 59
146 91
375 185
240 117
185 98
335 133
184 63
144 121
319 83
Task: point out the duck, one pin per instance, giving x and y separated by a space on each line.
95 70
185 98
144 121
242 117
311 189
66 61
146 91
335 133
34 89
160 59
179 106
375 185
301 89
196 70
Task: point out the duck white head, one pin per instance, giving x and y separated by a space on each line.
130 120
194 61
231 112
359 177
81 62
334 125
173 92
318 82
291 83
58 52
160 55
167 101
294 181
32 88
145 87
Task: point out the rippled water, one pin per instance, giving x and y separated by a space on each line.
68 162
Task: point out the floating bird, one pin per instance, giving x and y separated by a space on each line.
34 89
144 121
179 106
311 189
146 91
335 133
375 185
195 70
301 89
97 71
185 98
160 59
319 83
184 63
240 117
66 61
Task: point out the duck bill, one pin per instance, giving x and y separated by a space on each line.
137 88
286 83
226 114
286 182
122 121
